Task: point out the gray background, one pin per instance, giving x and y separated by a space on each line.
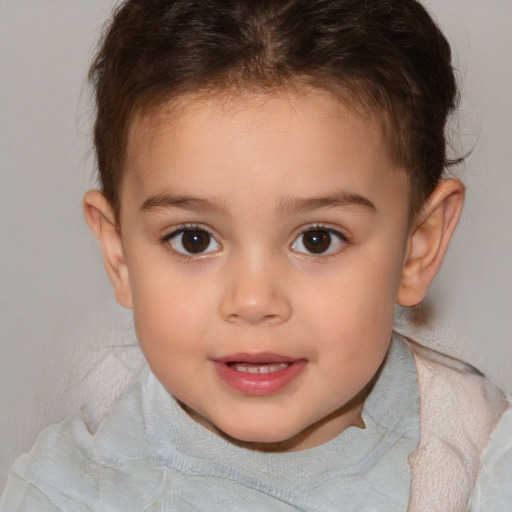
65 344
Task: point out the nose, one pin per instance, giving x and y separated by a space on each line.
255 293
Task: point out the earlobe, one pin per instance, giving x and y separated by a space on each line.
429 240
100 218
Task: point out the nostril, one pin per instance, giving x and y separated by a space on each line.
253 295
272 310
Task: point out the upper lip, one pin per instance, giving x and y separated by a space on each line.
263 357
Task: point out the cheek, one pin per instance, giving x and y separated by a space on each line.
360 296
355 334
353 316
173 338
169 313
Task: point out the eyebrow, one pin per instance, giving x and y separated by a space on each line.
288 205
337 200
200 204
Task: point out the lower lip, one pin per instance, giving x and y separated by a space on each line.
259 384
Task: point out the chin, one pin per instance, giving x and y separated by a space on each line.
251 433
269 438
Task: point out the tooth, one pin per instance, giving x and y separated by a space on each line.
259 367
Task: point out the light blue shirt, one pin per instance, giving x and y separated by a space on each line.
150 455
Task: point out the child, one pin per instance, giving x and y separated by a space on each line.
271 185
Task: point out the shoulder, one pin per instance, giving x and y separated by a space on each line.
53 475
459 409
71 469
494 482
450 388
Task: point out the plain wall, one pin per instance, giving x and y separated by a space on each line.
58 318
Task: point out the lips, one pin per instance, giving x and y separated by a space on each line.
258 374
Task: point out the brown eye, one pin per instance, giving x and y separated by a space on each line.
193 241
318 241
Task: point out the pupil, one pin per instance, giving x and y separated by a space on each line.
195 241
317 241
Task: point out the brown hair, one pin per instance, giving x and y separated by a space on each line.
387 56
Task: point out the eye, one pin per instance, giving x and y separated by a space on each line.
192 241
319 241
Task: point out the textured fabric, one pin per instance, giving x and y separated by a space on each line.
459 408
149 455
493 488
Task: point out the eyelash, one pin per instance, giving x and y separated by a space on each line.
342 238
183 228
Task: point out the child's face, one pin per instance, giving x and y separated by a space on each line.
264 244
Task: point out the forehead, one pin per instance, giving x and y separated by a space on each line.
315 112
283 141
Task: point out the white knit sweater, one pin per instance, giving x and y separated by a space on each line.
459 409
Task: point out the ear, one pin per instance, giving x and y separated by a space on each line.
429 240
101 219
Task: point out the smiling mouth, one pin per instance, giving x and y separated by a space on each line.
244 367
258 374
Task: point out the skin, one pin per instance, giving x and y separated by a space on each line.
256 175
